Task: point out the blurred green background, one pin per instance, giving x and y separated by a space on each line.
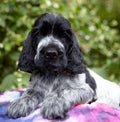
95 22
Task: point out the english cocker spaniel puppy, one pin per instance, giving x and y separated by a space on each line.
59 78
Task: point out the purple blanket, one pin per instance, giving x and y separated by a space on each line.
94 112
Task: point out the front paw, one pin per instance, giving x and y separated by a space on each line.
21 107
53 108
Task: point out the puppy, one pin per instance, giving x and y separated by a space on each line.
59 78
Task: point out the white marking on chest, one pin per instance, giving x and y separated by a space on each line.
82 77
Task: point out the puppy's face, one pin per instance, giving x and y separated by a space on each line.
52 40
51 46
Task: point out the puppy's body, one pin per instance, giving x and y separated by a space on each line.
59 79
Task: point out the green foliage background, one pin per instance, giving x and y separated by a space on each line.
96 24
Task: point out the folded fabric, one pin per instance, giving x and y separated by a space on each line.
94 112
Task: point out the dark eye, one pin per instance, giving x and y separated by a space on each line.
45 28
63 34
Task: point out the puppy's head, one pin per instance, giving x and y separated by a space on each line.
51 46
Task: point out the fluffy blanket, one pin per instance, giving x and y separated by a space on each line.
94 112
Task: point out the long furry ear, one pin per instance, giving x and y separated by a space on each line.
26 58
75 58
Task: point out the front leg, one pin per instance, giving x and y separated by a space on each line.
57 104
25 104
53 107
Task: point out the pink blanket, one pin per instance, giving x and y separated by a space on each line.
94 112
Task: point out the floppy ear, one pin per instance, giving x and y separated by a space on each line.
75 58
26 58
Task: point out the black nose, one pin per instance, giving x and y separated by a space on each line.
51 53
